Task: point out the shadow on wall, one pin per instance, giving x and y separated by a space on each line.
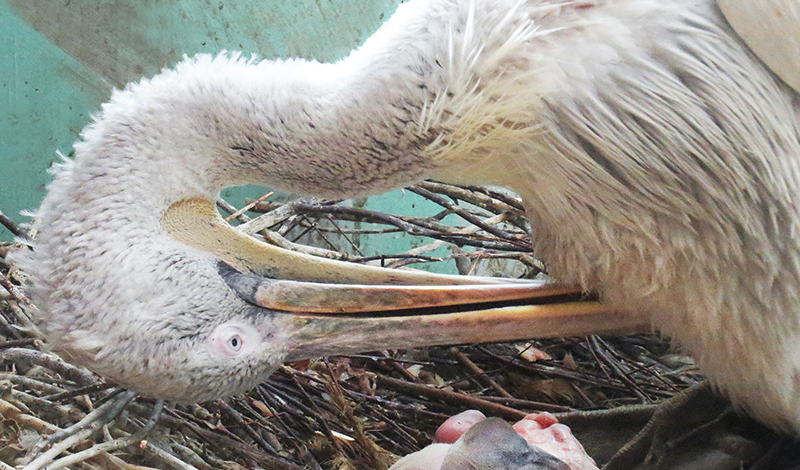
60 63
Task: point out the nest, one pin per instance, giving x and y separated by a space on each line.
343 412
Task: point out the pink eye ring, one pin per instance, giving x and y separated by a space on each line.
230 340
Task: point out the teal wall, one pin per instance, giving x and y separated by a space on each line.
45 99
60 59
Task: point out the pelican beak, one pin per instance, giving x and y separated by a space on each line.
197 223
340 307
325 319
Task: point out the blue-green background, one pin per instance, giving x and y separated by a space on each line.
60 60
47 95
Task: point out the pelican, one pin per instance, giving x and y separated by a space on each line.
656 153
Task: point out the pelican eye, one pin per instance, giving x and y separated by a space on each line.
230 340
235 342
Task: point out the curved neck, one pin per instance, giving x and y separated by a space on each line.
374 121
299 126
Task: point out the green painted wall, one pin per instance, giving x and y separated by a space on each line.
61 58
48 93
45 99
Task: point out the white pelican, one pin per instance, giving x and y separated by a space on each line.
657 156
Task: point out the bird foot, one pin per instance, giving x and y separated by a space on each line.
696 429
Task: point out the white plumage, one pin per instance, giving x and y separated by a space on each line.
657 157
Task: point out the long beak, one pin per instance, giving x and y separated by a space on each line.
197 223
358 318
317 336
341 308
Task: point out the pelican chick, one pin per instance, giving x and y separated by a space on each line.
656 154
469 441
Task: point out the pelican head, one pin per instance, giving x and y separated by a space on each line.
138 278
657 157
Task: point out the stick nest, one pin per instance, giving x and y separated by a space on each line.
343 412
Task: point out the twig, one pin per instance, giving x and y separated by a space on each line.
80 391
25 326
31 383
14 414
246 208
479 199
275 214
230 209
49 361
399 406
510 200
17 343
237 448
529 404
341 233
100 448
165 456
415 227
399 368
41 404
479 373
596 346
374 453
459 399
237 417
12 227
520 242
15 291
383 258
564 373
66 438
276 239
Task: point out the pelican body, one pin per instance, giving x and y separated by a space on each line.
656 154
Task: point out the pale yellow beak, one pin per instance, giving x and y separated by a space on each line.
338 307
